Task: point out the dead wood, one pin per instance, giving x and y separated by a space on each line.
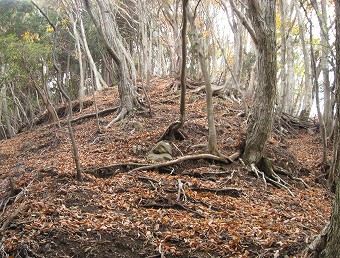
174 205
91 115
147 179
314 249
233 192
61 112
21 207
181 159
289 124
112 170
206 174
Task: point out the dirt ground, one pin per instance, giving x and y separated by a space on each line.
225 212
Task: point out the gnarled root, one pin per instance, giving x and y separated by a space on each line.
315 248
267 171
121 115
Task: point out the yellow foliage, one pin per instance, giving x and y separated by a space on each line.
30 37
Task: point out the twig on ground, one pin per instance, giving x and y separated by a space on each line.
228 179
21 207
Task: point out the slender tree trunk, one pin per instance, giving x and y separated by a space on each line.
99 81
325 71
325 53
283 62
289 93
184 59
65 95
5 112
197 42
308 89
81 89
332 249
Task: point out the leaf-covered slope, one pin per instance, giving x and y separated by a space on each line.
138 214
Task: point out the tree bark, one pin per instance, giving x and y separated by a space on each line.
107 27
308 89
332 249
5 112
262 15
197 43
283 63
184 60
64 94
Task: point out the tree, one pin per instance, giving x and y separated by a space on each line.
333 244
56 66
102 15
263 32
327 243
197 43
308 89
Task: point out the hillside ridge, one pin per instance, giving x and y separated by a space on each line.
183 211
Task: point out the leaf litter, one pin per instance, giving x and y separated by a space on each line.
113 216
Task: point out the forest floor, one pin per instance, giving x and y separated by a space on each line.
228 212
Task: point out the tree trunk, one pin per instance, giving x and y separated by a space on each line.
5 112
63 93
308 89
184 60
107 27
197 42
333 244
283 74
289 93
81 89
325 53
262 15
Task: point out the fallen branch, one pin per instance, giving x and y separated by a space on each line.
206 174
175 205
112 170
21 207
101 113
233 192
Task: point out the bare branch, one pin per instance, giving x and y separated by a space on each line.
243 20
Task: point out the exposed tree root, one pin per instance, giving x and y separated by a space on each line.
181 159
233 192
267 172
182 185
277 181
61 112
206 174
173 132
121 115
175 205
314 249
112 170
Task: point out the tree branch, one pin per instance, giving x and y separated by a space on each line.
243 20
